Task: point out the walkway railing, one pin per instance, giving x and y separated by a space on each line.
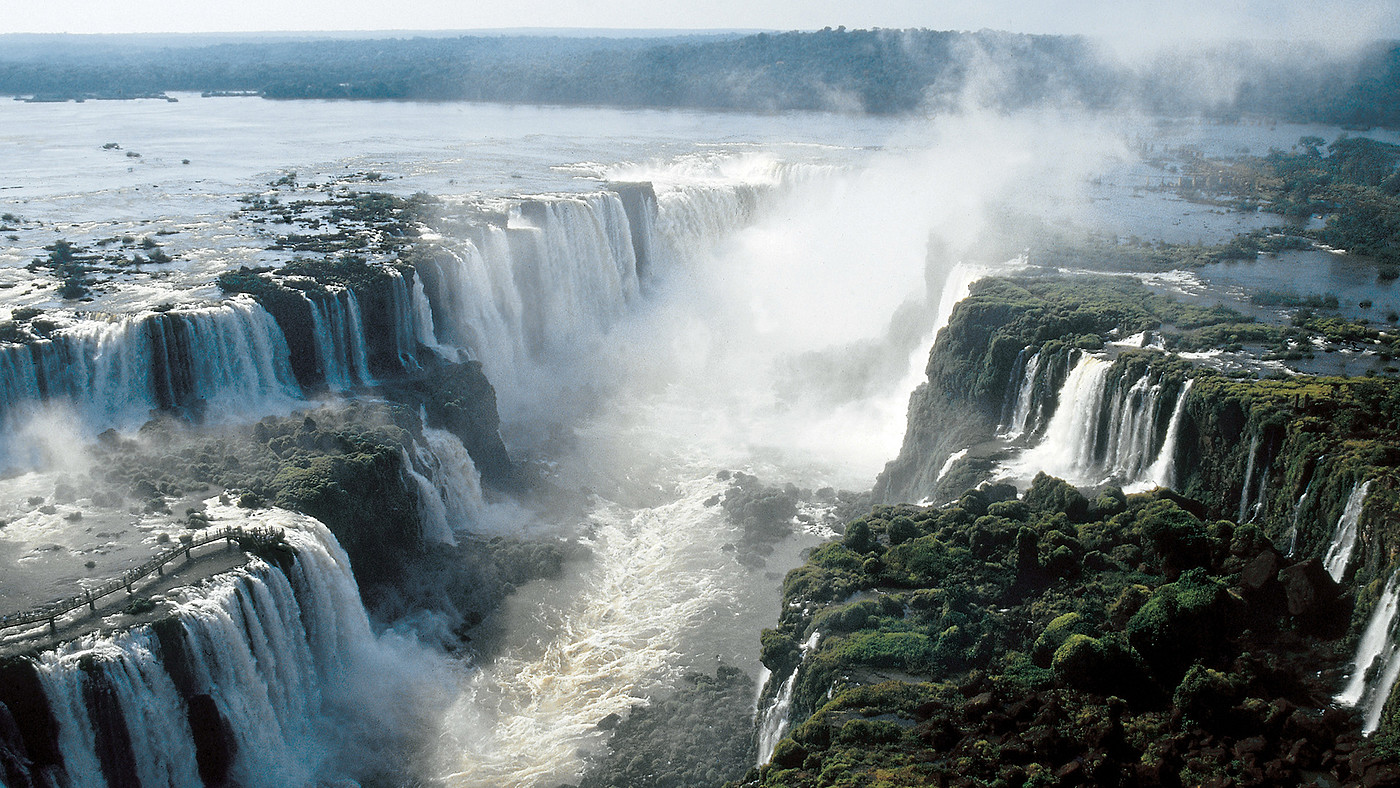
258 536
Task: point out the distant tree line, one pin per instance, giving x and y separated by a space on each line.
869 71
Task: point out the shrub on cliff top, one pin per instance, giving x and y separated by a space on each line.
1049 494
1182 622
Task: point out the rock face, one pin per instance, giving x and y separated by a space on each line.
459 398
961 401
974 366
28 732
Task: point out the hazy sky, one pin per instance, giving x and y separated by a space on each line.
1137 22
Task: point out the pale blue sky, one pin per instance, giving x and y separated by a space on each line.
1137 23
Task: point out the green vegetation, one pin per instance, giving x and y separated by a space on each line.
875 71
1352 182
70 264
970 369
344 468
1051 640
342 240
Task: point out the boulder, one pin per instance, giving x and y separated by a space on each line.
1260 572
1308 588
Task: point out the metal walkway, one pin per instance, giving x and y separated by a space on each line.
250 538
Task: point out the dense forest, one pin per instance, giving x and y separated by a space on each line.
874 71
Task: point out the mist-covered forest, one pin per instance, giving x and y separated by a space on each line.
870 71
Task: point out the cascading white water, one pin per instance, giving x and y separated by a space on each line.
1162 473
1132 429
77 740
596 644
1291 536
559 274
339 339
431 509
1020 420
1246 497
1376 665
1094 437
226 360
287 656
1345 537
949 463
775 720
424 331
1067 448
404 314
691 216
456 476
330 357
355 340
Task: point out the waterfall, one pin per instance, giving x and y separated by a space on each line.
1253 496
329 357
1345 537
1107 426
1132 429
404 312
774 722
425 333
355 339
128 715
1377 662
282 659
1019 420
1162 473
948 464
1067 449
456 476
556 273
1291 535
1248 479
339 339
220 360
691 217
431 509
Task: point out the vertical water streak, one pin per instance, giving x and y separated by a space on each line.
776 718
1245 499
355 340
1291 536
1132 430
405 334
424 330
162 745
77 741
1345 537
949 463
219 360
1162 472
329 357
1067 448
432 512
456 476
1377 657
1021 421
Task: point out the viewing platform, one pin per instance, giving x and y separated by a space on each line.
248 538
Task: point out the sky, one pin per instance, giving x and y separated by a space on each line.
1135 22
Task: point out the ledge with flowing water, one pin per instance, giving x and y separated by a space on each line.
250 673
